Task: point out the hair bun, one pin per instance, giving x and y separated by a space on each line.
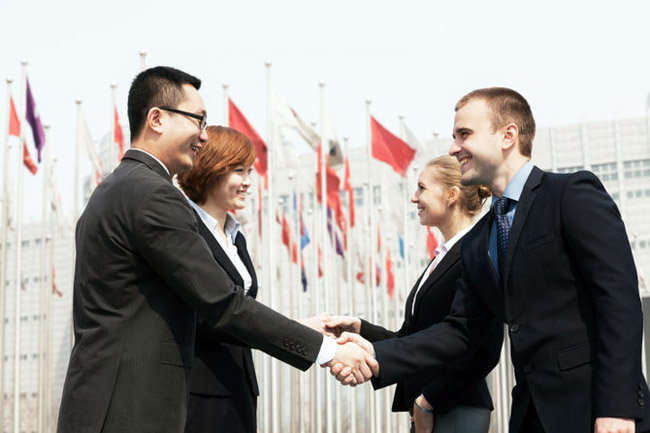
484 192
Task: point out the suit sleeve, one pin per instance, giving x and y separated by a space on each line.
372 332
598 245
167 238
422 355
445 391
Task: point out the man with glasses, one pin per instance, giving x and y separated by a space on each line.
143 272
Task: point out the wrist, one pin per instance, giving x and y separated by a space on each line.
423 405
356 325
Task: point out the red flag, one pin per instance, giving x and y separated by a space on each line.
237 121
28 161
377 275
432 243
348 187
333 197
286 237
390 278
14 123
320 263
294 252
118 135
378 240
55 291
390 149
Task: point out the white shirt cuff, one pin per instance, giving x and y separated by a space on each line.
327 351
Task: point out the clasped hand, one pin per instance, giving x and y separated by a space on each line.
354 361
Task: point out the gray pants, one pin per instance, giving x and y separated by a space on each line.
462 419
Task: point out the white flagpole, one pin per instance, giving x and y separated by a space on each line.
77 151
323 166
19 240
225 86
371 246
351 307
114 150
143 60
275 392
44 302
406 237
5 227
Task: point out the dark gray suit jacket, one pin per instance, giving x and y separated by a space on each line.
142 273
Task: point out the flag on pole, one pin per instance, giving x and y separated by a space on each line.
55 290
432 243
236 120
390 149
28 161
118 135
14 131
303 276
390 278
320 262
87 147
34 120
412 140
347 186
400 241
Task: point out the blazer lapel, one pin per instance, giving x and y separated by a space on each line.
409 300
219 254
480 270
523 207
242 251
447 262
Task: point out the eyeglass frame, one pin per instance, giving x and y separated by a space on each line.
202 118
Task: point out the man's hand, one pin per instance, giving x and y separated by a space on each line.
422 420
354 361
338 324
614 425
317 323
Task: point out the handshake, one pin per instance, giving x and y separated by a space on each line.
354 360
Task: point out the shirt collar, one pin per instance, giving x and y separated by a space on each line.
159 161
232 225
516 184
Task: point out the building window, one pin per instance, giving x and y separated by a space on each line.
25 243
637 168
376 195
358 196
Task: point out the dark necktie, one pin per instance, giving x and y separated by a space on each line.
503 230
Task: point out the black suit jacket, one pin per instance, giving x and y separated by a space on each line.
452 386
142 272
223 366
570 299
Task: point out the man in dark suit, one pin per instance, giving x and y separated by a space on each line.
553 262
143 271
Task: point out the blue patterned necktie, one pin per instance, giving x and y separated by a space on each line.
503 230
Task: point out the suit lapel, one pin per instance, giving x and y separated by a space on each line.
523 207
447 262
149 161
242 251
479 265
219 254
409 300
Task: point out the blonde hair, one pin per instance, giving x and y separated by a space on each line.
447 172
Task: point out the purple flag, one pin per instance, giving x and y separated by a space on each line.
34 120
338 245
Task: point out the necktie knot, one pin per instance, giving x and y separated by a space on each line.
501 205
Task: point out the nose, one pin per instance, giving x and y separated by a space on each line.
414 198
454 148
203 136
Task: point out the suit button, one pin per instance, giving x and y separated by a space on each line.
514 327
641 394
641 402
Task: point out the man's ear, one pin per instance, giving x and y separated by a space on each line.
154 120
510 136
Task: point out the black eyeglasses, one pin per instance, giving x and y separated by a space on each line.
202 118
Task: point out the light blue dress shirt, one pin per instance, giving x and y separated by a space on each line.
513 192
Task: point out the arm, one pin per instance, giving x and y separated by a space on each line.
166 237
598 246
429 351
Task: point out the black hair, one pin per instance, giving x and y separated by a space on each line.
155 87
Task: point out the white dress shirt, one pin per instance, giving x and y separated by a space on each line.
440 252
328 346
228 244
